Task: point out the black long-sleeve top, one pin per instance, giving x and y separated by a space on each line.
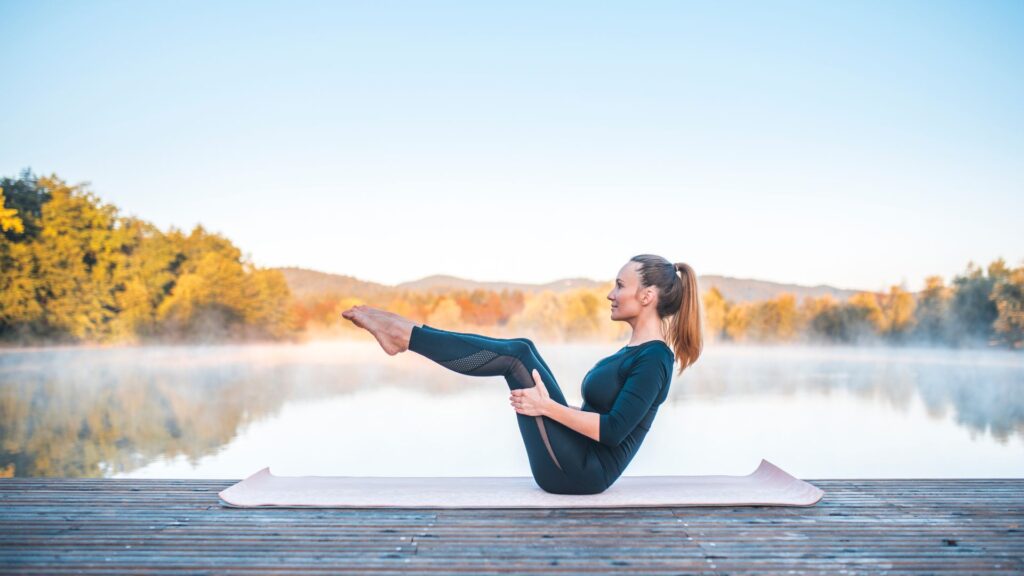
626 389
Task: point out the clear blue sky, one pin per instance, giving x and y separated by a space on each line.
858 144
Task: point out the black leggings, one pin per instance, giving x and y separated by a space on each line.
562 460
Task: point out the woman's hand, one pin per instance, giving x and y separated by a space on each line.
531 401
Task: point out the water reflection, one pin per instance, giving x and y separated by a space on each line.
348 408
984 389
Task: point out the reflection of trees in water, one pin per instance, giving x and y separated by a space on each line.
93 412
98 423
985 389
85 412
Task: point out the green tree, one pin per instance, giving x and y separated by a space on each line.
25 195
1008 296
973 311
824 318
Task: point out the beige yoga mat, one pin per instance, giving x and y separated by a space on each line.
769 485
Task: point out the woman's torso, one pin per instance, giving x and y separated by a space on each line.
602 385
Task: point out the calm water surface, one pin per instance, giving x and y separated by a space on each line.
346 408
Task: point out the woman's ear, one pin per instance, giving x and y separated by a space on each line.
648 295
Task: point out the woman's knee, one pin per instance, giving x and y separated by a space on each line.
528 342
523 349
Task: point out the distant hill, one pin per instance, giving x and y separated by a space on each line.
746 289
306 283
442 283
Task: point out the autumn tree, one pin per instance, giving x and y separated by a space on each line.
897 320
715 312
932 311
74 269
738 320
18 305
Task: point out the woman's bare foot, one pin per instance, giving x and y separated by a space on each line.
391 330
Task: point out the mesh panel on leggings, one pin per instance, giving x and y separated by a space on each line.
471 362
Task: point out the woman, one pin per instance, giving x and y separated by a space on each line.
576 450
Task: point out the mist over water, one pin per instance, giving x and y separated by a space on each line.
346 408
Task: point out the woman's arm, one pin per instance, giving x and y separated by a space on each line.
535 401
586 423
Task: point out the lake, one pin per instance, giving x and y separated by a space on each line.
347 408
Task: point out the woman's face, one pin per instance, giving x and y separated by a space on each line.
625 301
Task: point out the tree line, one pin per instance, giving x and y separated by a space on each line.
72 269
981 307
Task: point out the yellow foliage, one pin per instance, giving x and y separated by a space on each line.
897 311
872 310
773 320
189 292
715 312
267 303
445 313
136 312
18 283
737 320
9 220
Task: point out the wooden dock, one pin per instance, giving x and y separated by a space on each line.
106 526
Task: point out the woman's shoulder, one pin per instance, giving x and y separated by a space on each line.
656 348
651 352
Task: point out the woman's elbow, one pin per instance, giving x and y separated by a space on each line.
610 436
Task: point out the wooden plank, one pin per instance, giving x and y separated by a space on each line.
895 526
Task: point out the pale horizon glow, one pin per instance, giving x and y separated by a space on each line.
858 145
